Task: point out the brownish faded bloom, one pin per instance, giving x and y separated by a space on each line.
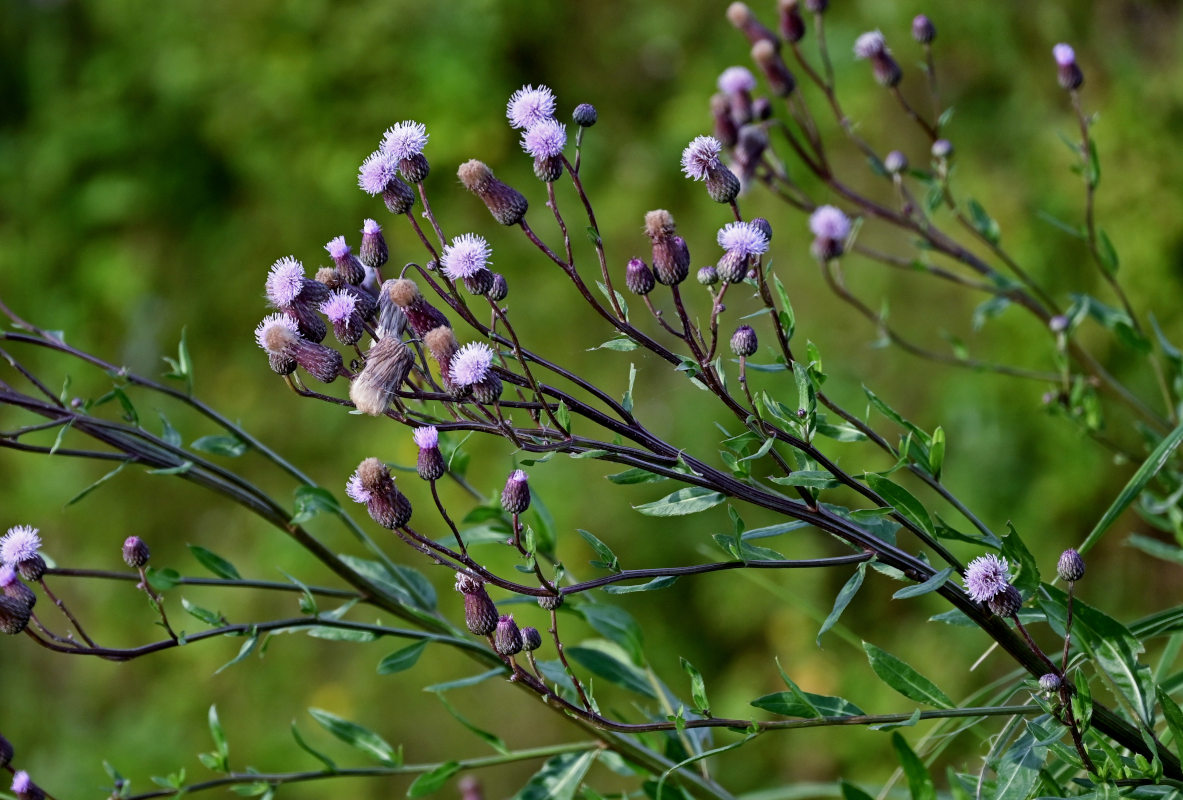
373 485
506 204
387 364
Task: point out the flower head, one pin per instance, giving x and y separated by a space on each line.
285 281
545 139
829 223
471 363
356 491
467 255
743 237
426 437
986 576
370 227
21 782
339 307
7 576
735 80
275 332
1064 54
870 44
377 172
20 544
529 106
700 156
337 248
404 140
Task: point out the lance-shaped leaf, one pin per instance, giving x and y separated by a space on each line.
690 500
358 736
904 678
559 778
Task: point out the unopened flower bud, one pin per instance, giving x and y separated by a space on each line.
480 614
399 197
726 131
671 257
872 46
24 788
135 552
506 204
739 15
373 485
11 586
531 639
1006 603
387 363
1067 71
1049 682
743 341
817 6
32 568
488 389
830 228
14 615
768 58
1058 323
792 25
499 290
584 115
550 602
638 277
942 149
895 162
373 252
515 497
923 30
1070 566
708 276
431 464
507 639
6 752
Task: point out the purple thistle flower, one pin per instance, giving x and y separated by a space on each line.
743 237
404 140
471 364
7 576
828 222
339 307
467 255
700 156
986 576
370 227
21 782
870 45
1064 54
266 339
735 80
1067 70
377 172
285 281
545 139
356 491
337 248
529 106
426 437
21 543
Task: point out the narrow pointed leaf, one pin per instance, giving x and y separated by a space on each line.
358 736
401 659
904 678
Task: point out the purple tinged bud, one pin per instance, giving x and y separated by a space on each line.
550 602
6 752
792 24
671 257
764 226
923 30
1070 567
1006 603
638 277
743 341
515 497
1068 72
531 639
780 80
373 485
507 639
507 205
11 586
895 162
873 46
480 614
1058 323
14 615
528 106
817 6
499 290
942 149
422 316
584 115
135 552
374 251
726 131
986 576
431 465
830 228
350 269
387 363
488 389
736 80
708 276
399 197
1049 682
739 15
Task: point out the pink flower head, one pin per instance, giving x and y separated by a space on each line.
339 307
370 226
356 491
427 437
735 80
700 156
545 139
467 255
21 782
20 544
1064 54
274 330
406 139
529 106
285 281
870 45
7 576
337 248
376 172
828 222
986 576
471 363
743 237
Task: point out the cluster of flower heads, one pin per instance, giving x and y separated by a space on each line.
988 580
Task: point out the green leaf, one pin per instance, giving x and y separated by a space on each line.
97 484
769 531
607 558
1155 548
1018 769
168 433
810 479
402 659
902 500
332 634
559 778
930 585
181 367
788 704
622 344
313 500
395 585
563 415
1075 231
1107 253
461 683
179 469
612 669
595 240
690 500
215 563
849 590
920 783
648 586
936 453
358 736
1150 467
491 739
252 639
698 691
221 746
163 579
852 792
310 750
220 445
635 475
1173 715
211 618
983 223
617 625
433 781
1016 552
904 679
626 402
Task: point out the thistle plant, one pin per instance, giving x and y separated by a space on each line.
428 345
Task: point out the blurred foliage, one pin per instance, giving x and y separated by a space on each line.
157 158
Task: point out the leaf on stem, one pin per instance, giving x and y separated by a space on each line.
402 659
220 445
313 500
559 778
690 500
920 783
600 658
608 558
849 590
902 677
433 781
358 736
214 563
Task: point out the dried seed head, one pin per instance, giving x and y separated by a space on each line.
422 316
515 497
659 224
507 639
1070 567
387 363
531 639
441 343
507 205
135 552
638 277
743 341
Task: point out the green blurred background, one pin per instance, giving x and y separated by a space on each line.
157 158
